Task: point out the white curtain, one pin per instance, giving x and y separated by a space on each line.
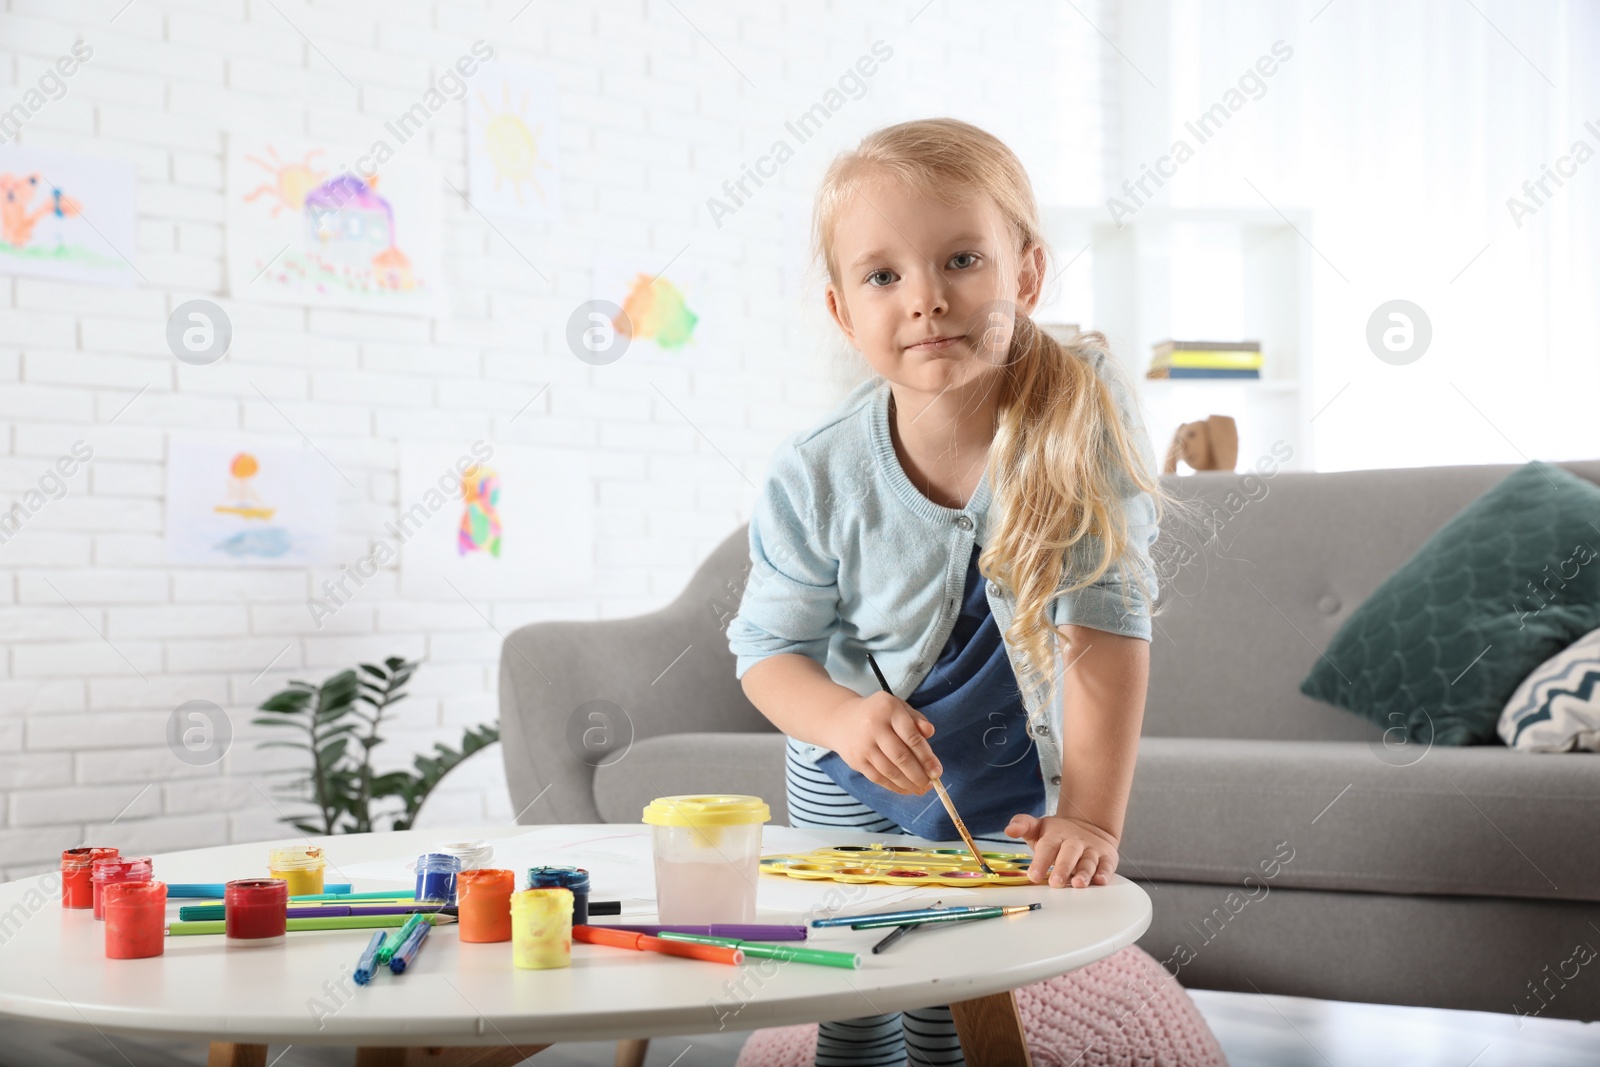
1404 129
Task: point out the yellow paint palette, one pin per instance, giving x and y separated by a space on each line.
901 865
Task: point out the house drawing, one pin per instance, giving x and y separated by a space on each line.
350 227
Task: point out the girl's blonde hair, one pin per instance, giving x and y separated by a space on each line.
1063 460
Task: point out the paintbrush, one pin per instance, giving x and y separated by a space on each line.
949 806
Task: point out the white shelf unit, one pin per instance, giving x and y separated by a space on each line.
1197 274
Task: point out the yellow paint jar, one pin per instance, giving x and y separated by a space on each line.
299 865
541 928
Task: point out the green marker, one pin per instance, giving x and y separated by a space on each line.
398 938
332 922
768 950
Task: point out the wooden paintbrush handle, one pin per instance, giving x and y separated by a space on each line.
961 827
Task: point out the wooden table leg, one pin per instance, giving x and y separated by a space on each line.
631 1051
485 1056
235 1054
990 1029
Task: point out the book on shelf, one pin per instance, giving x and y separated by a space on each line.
1221 355
1203 372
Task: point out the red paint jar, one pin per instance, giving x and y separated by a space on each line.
77 889
136 919
484 900
256 911
110 870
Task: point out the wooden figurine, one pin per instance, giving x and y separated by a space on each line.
1211 445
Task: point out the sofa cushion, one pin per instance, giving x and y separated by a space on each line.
1477 821
676 764
1440 646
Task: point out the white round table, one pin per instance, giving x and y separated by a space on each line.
458 995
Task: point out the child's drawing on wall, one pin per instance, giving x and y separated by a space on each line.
480 512
663 310
512 150
302 230
66 216
655 310
266 504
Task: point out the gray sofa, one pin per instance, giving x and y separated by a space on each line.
1285 847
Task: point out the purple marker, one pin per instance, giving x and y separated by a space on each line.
741 931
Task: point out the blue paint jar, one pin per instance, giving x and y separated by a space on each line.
436 877
574 878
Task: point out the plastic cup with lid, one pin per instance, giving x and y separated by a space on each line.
707 851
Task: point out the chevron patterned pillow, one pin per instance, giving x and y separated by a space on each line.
1557 707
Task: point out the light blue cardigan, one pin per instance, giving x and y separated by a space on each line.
847 556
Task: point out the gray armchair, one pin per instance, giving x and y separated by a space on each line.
1462 879
598 718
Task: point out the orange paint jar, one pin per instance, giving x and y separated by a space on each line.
77 887
136 919
483 898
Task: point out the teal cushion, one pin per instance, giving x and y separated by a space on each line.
1443 643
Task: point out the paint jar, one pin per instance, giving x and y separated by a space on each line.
77 888
299 865
474 855
136 920
707 856
436 877
573 878
483 899
109 870
255 912
541 928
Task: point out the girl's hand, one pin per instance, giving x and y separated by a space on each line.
886 739
1071 845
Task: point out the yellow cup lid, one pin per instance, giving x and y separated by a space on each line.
710 809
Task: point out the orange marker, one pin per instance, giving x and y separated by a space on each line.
599 935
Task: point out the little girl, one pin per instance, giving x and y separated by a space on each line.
977 515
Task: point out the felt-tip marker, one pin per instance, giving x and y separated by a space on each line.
367 965
408 951
941 917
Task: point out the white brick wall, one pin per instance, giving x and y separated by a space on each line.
101 639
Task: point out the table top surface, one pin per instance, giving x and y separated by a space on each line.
470 994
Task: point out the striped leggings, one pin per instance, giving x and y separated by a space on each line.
922 1037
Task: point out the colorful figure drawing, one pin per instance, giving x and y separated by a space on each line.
350 226
655 310
290 181
242 499
17 219
480 517
511 146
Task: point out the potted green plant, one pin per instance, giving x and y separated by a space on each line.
349 707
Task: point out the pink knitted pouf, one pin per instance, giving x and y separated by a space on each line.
1123 1011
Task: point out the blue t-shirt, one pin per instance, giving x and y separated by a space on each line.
971 696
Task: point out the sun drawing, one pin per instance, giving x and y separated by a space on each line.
291 181
512 147
243 500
